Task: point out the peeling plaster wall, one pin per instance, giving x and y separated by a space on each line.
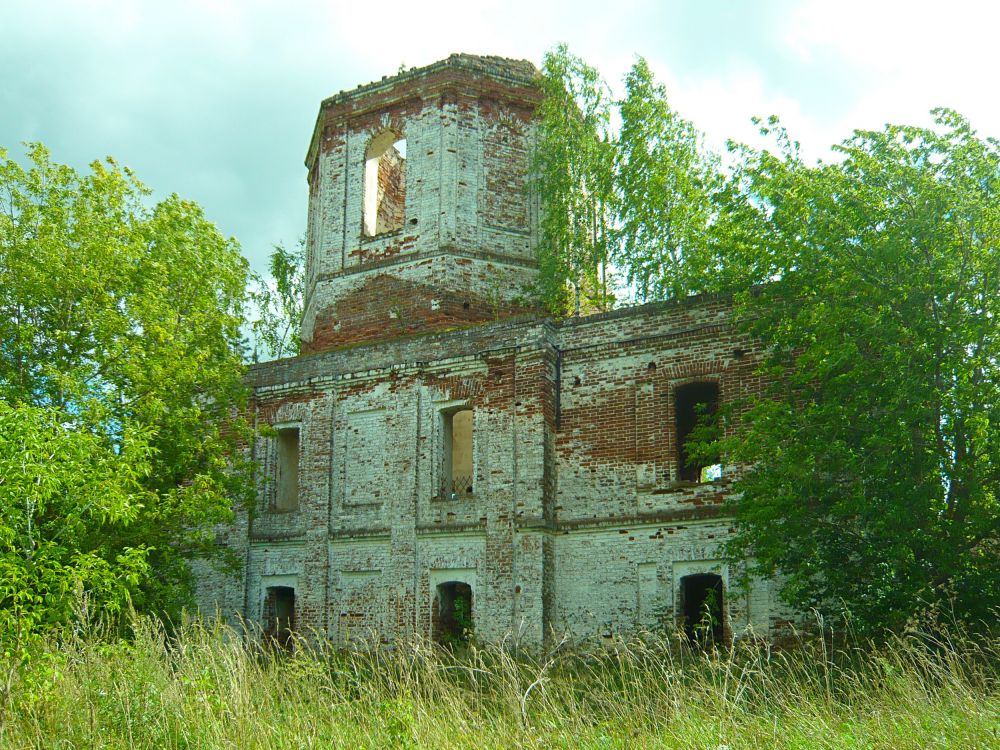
577 523
465 252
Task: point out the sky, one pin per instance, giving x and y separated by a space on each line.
216 99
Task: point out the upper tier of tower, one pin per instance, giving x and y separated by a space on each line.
420 210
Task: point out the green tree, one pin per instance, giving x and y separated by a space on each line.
62 490
279 303
573 172
665 179
875 458
122 318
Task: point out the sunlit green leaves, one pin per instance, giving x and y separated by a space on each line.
665 180
61 489
573 168
630 195
279 303
120 319
875 459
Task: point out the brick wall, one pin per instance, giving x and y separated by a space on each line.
578 522
464 250
391 191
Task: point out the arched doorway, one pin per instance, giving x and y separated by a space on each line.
452 613
703 608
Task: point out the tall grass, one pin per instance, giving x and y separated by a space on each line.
205 687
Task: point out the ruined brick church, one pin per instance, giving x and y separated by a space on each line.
444 458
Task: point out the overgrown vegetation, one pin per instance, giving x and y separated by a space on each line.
204 688
120 375
278 301
574 168
874 464
874 459
628 189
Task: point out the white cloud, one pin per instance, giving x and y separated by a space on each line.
215 99
723 105
905 57
890 36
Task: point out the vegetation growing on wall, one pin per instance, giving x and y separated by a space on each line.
279 303
626 209
873 467
665 181
574 166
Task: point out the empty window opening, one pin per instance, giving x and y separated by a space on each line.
457 453
702 608
287 496
279 614
385 184
452 613
696 409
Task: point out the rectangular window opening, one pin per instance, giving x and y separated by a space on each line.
384 184
696 407
456 459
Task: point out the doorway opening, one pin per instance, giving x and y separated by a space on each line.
279 615
702 608
452 613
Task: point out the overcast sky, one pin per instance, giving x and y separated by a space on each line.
216 99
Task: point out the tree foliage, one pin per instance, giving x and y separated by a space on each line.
666 182
873 464
875 459
279 300
634 200
573 168
61 492
120 341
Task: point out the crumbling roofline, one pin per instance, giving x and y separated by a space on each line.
517 72
512 74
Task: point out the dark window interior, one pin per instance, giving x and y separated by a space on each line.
287 496
695 404
702 608
279 614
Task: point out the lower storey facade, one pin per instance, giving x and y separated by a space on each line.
527 585
522 480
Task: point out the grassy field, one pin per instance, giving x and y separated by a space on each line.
202 688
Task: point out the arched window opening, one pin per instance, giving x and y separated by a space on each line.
385 184
696 408
456 456
702 608
452 613
279 614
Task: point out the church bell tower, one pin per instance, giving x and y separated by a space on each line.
421 216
